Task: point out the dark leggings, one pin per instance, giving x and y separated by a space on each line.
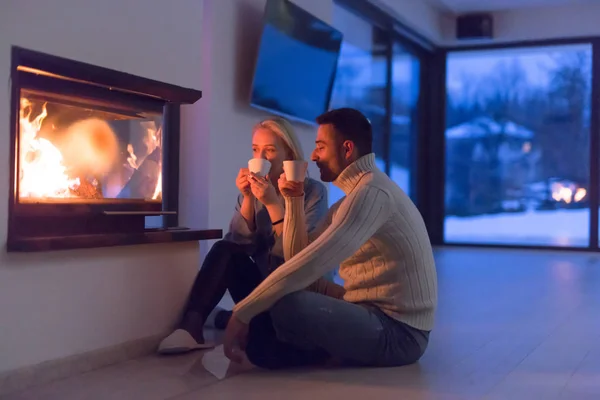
226 267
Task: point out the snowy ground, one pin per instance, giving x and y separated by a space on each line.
546 228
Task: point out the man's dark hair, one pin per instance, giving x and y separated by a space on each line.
350 124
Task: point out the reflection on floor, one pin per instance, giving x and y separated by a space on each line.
511 325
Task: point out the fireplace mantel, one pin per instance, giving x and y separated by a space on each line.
94 153
40 244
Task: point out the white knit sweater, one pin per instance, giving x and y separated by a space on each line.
377 237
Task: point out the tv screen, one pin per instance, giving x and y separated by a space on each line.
296 63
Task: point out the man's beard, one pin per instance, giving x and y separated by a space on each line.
326 174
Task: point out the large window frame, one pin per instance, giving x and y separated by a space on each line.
425 51
428 169
436 187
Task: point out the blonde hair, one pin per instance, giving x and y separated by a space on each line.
282 128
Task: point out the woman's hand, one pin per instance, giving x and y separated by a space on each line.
263 190
290 188
243 182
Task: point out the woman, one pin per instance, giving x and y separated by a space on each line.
252 248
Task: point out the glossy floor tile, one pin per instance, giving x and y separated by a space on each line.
510 325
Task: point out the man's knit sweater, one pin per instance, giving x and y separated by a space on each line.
377 237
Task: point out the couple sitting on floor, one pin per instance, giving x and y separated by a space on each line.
282 243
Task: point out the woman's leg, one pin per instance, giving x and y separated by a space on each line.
210 285
243 278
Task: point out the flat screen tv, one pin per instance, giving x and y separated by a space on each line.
296 63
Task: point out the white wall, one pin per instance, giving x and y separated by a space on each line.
420 15
230 41
553 22
58 304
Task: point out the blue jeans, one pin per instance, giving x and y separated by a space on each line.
306 328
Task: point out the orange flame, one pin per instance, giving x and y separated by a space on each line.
42 173
156 137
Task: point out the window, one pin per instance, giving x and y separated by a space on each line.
517 146
405 95
380 77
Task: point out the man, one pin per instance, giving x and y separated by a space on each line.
385 311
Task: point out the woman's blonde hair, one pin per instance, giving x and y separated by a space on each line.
282 128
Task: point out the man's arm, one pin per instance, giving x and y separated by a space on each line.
304 221
309 210
359 216
296 238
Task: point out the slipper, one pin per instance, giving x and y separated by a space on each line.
180 342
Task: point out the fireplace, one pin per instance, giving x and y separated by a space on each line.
95 152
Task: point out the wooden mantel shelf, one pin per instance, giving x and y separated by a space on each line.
150 236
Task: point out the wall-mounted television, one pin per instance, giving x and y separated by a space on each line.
296 63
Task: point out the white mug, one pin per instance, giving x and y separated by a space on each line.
295 170
259 166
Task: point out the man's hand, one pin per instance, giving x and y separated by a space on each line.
236 335
290 188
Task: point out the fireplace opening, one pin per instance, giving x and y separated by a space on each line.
75 152
96 153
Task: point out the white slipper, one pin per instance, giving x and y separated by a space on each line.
181 341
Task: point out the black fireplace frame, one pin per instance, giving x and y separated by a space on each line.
42 226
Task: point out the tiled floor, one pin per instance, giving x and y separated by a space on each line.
510 325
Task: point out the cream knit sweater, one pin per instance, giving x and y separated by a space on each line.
377 237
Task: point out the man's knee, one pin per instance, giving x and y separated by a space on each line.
224 250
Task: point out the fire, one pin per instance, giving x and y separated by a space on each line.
82 160
157 195
152 140
42 172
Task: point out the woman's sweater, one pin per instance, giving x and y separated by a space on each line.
261 244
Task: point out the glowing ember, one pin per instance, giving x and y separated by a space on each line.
42 173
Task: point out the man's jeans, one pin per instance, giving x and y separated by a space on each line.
306 328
